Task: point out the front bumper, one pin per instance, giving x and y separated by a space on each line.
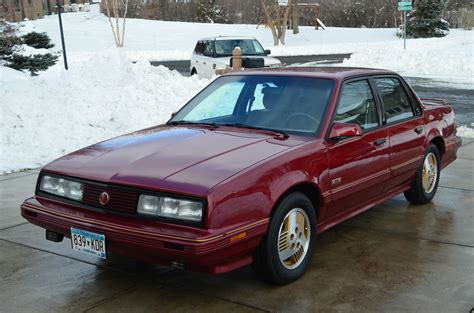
215 251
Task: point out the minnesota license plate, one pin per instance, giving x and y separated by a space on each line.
88 242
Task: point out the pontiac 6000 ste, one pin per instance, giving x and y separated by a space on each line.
250 171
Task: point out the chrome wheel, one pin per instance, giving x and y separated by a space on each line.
430 172
293 238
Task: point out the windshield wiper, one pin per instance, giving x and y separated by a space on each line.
240 125
174 123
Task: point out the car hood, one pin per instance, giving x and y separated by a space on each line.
179 159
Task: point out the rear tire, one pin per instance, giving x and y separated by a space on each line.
425 184
285 253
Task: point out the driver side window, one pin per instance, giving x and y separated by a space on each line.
357 105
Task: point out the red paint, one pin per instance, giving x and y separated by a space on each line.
242 174
345 130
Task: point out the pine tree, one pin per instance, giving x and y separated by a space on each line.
10 54
37 40
425 21
208 11
34 63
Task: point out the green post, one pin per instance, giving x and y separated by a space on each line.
404 30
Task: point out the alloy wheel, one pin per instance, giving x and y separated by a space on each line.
293 238
430 172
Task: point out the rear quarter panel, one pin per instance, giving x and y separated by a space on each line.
440 123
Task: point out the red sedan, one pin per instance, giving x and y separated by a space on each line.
250 171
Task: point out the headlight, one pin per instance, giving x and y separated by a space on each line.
62 187
170 207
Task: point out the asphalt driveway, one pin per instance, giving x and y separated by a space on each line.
393 258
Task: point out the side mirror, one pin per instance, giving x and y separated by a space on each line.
268 51
173 114
341 130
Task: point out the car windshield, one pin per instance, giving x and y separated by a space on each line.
278 103
248 46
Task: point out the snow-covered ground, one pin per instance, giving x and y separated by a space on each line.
104 94
87 33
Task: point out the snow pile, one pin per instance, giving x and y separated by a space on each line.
58 112
464 131
433 57
89 32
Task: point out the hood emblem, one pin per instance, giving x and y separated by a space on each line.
104 198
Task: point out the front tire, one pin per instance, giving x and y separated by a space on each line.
285 253
427 178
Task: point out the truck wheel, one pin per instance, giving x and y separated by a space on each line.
424 186
285 253
193 72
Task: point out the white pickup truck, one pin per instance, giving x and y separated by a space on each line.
215 53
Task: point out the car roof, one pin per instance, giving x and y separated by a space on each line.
227 38
328 72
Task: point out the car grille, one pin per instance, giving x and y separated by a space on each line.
120 199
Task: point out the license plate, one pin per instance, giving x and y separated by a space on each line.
88 242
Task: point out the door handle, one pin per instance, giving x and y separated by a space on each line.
203 62
379 142
419 130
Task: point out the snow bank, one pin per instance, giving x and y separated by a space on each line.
58 112
464 131
450 57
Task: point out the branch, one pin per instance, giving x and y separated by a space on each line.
110 21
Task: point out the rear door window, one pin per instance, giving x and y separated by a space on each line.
357 105
396 102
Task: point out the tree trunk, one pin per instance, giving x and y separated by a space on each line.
277 23
285 22
11 10
295 19
271 23
124 19
22 9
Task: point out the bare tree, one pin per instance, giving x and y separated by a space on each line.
466 18
277 19
340 13
117 6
